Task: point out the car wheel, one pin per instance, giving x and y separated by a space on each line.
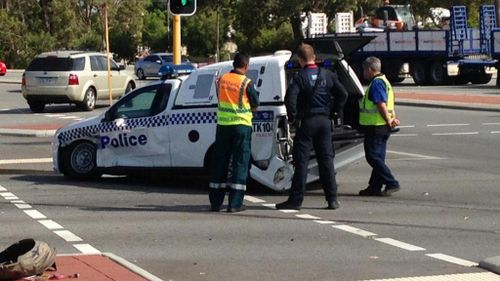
140 74
79 161
89 100
130 87
36 106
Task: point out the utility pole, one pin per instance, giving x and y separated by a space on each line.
177 40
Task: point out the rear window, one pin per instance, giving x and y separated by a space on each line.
56 64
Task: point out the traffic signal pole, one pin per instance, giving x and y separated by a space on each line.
177 39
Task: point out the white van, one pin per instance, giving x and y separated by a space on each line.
171 125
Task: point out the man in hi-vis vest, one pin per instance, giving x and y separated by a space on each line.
237 98
377 117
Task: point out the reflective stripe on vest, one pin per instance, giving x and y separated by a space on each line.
368 111
234 106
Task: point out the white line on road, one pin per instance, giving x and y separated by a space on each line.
7 194
451 259
481 276
2 188
455 134
307 217
34 214
23 206
447 125
407 126
399 244
86 249
68 236
254 199
69 117
491 124
26 161
272 206
495 132
415 155
324 222
354 230
404 135
50 224
288 211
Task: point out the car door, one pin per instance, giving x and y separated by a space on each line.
153 64
99 75
137 134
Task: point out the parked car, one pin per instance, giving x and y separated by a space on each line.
149 66
3 68
73 77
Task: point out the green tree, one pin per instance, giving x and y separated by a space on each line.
154 32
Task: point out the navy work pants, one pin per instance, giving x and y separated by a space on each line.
375 145
313 132
232 145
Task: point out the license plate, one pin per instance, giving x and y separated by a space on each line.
47 80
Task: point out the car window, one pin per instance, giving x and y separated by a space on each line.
167 58
147 101
203 86
95 64
253 74
50 64
150 58
103 62
78 63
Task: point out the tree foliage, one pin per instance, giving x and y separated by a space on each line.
257 26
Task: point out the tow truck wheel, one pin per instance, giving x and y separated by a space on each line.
481 78
437 73
419 73
79 160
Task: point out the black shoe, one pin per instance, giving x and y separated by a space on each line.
370 192
236 210
332 205
214 209
287 206
390 190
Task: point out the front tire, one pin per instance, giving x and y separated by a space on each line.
79 161
140 74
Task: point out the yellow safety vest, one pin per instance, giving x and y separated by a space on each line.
368 112
234 106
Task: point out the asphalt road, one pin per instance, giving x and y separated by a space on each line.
446 160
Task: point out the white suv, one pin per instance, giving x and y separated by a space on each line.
72 77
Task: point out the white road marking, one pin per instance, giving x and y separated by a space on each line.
50 224
68 236
288 211
2 188
307 217
455 134
11 198
254 199
69 117
7 194
17 202
447 125
354 230
451 259
399 244
479 276
34 214
26 161
324 222
407 126
491 124
495 132
23 206
86 249
272 206
404 135
416 156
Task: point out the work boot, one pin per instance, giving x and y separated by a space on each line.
287 205
333 205
389 190
370 192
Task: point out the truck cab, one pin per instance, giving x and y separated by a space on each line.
171 125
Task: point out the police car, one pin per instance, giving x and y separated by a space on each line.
171 124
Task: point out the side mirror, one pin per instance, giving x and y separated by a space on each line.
121 67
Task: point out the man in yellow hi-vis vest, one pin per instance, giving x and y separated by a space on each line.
377 117
237 98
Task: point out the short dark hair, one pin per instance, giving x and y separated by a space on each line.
241 60
306 52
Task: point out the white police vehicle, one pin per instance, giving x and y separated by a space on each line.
171 124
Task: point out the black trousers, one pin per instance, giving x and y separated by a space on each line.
314 131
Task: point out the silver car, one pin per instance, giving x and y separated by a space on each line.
150 65
73 77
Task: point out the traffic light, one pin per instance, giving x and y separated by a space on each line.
182 7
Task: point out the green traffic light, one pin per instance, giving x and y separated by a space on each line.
184 2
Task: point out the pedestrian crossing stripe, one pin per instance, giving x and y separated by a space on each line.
481 276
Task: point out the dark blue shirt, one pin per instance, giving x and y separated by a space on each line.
378 92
